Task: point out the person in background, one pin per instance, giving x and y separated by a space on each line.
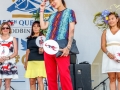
8 69
34 64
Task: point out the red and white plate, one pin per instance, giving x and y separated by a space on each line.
51 47
4 51
40 40
117 56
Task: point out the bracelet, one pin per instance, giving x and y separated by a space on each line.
9 57
41 10
106 52
68 48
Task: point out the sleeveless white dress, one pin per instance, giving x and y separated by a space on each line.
109 65
8 69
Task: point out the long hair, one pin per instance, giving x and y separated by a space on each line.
32 32
117 16
63 2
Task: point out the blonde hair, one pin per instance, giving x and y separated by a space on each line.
5 23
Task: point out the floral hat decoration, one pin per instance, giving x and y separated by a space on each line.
101 18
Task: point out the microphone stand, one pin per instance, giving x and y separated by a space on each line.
37 85
10 86
45 82
101 83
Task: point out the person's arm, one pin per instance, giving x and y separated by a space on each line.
27 54
43 24
26 58
103 42
70 39
103 46
71 34
72 22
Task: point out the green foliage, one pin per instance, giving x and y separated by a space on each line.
36 16
44 31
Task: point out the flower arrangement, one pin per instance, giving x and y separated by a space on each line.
101 19
104 15
36 16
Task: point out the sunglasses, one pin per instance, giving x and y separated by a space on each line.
5 28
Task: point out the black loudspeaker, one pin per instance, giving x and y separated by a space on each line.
83 77
73 58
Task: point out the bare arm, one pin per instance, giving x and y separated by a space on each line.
26 59
103 46
71 34
27 54
103 42
43 23
15 44
70 39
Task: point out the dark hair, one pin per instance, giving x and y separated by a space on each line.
63 2
117 16
32 32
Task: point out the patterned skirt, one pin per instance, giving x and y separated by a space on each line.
8 70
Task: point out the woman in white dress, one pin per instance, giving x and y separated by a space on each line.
8 51
110 44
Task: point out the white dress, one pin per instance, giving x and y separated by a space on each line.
109 65
8 69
